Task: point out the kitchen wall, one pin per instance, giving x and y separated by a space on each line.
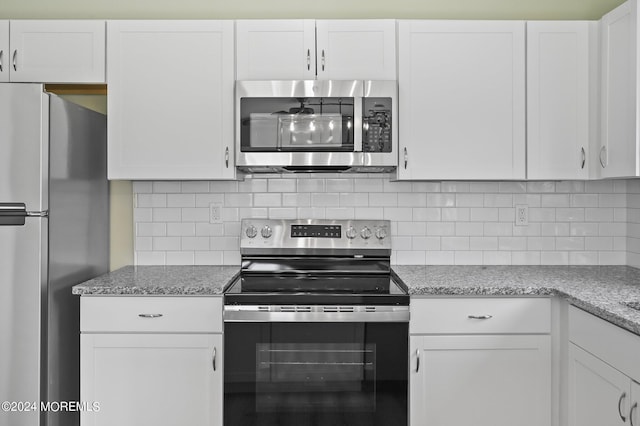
570 223
223 9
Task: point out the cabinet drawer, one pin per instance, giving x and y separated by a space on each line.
150 314
612 344
480 315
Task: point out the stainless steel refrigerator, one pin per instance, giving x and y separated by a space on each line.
54 233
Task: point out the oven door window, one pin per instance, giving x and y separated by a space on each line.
315 374
297 124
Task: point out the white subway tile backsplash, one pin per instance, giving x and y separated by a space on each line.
255 185
181 229
151 200
383 199
166 243
180 258
208 258
283 213
166 187
238 200
151 229
195 214
354 199
282 185
181 200
162 214
463 223
195 243
408 199
267 200
194 187
302 199
468 258
441 200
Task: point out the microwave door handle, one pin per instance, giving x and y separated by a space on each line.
357 123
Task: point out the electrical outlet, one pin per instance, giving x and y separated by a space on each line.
522 215
215 213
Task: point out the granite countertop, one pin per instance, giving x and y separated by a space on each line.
600 290
160 280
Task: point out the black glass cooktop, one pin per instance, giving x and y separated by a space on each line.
316 289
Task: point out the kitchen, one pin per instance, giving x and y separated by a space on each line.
459 219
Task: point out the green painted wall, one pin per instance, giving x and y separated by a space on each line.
229 9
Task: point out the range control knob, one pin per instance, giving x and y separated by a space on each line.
351 233
251 231
365 233
266 231
381 233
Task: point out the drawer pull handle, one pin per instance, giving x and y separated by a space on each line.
214 359
480 317
417 360
149 315
623 396
631 413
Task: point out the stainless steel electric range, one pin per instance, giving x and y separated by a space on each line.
316 327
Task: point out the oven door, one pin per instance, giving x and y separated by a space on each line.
316 373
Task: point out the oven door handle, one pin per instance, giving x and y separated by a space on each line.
262 314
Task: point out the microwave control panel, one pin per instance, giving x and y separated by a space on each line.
376 125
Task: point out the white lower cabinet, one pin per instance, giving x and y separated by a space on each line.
462 376
152 379
598 393
604 371
146 361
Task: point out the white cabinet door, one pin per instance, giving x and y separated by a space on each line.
170 99
559 92
4 51
619 150
491 380
356 49
57 51
276 49
462 99
634 411
598 393
152 379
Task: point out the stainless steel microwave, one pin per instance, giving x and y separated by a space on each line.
316 125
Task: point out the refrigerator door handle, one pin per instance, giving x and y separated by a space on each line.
14 214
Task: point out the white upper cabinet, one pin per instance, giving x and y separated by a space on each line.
276 49
461 100
618 155
54 51
309 49
561 87
4 51
350 49
170 99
